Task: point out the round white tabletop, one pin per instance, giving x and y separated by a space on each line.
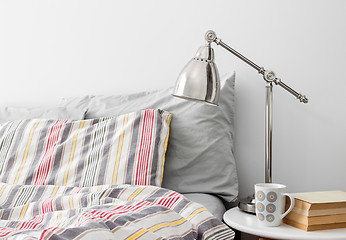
248 223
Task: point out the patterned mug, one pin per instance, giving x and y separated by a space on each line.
270 203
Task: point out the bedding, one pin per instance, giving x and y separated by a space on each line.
200 154
103 212
55 184
56 112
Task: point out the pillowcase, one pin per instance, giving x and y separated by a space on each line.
17 113
199 157
128 149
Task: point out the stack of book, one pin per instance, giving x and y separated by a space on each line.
318 210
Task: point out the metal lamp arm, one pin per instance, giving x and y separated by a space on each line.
268 75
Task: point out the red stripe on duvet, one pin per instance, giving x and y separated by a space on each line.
97 214
47 205
144 150
148 148
138 169
6 231
29 224
170 200
51 229
32 223
44 165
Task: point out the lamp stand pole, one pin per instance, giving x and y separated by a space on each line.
248 204
268 132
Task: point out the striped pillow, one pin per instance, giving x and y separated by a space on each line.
129 149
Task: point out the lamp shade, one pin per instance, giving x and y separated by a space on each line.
199 80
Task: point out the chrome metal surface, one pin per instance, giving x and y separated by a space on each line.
299 96
199 80
248 61
267 75
248 204
268 133
210 36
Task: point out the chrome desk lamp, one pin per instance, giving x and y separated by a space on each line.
199 81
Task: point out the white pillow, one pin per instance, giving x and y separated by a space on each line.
20 113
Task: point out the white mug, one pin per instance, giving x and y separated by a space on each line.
270 203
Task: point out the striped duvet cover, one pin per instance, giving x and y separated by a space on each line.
103 212
94 179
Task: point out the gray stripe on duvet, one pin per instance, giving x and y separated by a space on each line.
93 158
38 153
6 142
105 153
24 195
85 151
13 153
132 154
10 196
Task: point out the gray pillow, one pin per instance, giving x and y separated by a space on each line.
199 157
19 113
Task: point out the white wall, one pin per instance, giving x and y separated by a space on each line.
53 49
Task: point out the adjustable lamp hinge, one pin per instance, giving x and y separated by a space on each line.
268 75
210 36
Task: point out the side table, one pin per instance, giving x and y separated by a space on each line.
248 223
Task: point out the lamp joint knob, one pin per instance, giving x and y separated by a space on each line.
269 76
210 36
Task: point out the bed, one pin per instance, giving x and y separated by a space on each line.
136 166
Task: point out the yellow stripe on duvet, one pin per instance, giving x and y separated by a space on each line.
54 192
26 151
71 202
72 152
2 189
136 193
166 143
23 212
119 149
137 234
197 211
167 224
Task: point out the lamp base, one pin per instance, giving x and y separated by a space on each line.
248 204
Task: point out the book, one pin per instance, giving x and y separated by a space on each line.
320 200
319 203
318 210
316 220
314 227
